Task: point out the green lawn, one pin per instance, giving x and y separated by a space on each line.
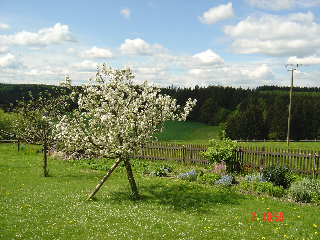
292 145
187 131
34 207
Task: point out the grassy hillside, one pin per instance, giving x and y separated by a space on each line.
187 131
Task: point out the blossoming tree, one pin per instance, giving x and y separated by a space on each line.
36 119
115 118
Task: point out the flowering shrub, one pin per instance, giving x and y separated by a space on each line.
305 191
222 150
225 181
190 176
220 168
255 178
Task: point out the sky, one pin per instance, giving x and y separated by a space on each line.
181 43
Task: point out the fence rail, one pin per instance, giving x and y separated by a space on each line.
174 151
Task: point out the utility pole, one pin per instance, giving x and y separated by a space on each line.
290 103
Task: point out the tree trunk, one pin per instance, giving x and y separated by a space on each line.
45 172
104 178
132 182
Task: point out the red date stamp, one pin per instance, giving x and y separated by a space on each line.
276 217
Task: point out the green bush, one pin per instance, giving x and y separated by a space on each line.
279 176
258 185
208 178
305 191
268 188
159 172
222 150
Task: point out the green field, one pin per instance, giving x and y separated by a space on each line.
283 145
34 207
192 132
187 131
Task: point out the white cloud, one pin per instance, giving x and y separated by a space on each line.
217 14
208 58
86 65
262 72
204 60
307 3
4 49
9 61
139 47
233 76
71 51
274 5
57 35
310 60
96 53
295 34
125 13
4 26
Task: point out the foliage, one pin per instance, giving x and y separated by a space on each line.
225 181
222 150
160 172
268 188
35 119
257 184
246 124
208 178
255 178
189 176
220 168
305 191
279 175
6 120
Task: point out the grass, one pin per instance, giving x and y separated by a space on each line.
292 145
187 131
34 207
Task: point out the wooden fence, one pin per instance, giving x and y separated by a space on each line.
174 151
305 162
301 161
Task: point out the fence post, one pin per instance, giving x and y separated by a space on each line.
262 156
314 165
183 153
238 154
141 152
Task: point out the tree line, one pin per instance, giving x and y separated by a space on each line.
260 113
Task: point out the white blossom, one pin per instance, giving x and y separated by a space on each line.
115 117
